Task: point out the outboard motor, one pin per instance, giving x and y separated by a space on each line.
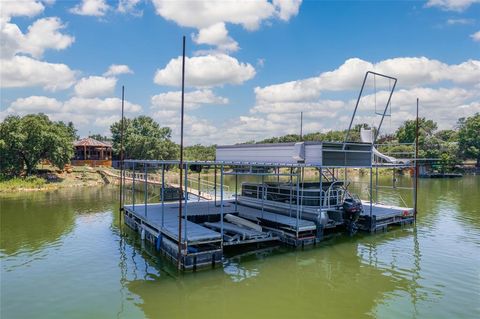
352 207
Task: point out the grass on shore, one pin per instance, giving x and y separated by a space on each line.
29 182
48 178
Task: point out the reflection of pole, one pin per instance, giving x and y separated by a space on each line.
416 167
181 162
121 157
416 270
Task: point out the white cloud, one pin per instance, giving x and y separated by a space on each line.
203 15
42 34
28 8
106 121
95 86
277 108
192 100
451 5
86 113
205 71
297 107
94 106
196 130
86 106
476 36
274 119
217 35
287 8
129 6
410 72
117 69
22 71
460 21
97 8
34 104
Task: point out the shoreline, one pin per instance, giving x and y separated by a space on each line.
83 178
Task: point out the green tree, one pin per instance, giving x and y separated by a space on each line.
469 137
447 135
199 153
144 139
406 133
25 141
73 131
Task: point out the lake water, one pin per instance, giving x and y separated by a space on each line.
62 255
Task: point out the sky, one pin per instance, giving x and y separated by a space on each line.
251 66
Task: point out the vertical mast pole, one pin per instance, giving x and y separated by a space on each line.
121 157
181 161
416 165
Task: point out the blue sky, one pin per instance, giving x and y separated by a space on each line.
252 66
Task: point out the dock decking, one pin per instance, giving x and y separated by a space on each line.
169 224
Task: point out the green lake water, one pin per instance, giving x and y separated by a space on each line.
63 255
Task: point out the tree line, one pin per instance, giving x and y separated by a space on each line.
28 140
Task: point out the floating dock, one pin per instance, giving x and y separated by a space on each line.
285 210
279 206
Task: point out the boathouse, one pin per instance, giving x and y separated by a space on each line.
89 151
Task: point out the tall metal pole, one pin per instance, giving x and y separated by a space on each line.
121 157
181 160
416 166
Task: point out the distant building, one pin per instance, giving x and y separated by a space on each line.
89 151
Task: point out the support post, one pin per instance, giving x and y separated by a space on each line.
181 161
122 180
133 185
320 171
145 187
263 192
199 186
163 194
185 239
236 190
215 186
221 201
371 191
298 205
291 192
